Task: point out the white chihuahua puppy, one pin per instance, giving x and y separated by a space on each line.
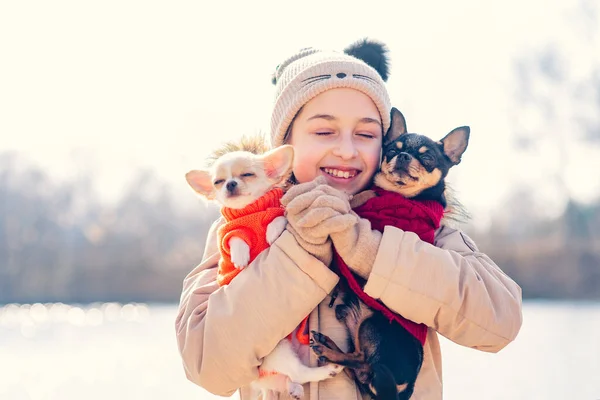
236 180
240 178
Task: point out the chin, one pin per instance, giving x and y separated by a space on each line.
238 202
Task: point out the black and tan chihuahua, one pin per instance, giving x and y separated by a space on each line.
385 358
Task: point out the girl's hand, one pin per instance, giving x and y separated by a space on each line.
322 212
358 245
314 210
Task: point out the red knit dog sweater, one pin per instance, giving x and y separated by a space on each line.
388 208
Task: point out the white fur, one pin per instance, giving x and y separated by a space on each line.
240 252
252 175
292 374
275 229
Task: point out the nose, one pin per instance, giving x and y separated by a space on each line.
404 157
231 185
345 149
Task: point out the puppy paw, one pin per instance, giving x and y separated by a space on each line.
240 252
322 355
275 229
327 351
319 345
317 349
295 390
334 369
324 340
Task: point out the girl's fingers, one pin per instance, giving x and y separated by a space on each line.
301 188
337 224
314 217
302 202
340 205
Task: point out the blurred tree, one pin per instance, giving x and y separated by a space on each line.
57 243
555 116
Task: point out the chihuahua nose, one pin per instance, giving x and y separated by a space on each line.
404 157
231 185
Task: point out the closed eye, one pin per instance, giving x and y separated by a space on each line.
427 157
248 174
218 182
367 135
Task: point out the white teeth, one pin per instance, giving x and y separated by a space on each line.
340 174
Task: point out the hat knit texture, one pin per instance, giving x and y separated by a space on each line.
311 72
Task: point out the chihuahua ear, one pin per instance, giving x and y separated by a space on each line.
455 143
278 162
201 182
397 127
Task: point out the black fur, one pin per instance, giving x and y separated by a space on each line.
436 159
384 382
373 53
392 355
441 155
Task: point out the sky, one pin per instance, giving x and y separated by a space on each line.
99 89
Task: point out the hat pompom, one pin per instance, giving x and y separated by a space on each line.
373 53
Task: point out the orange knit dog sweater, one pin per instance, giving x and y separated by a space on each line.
249 224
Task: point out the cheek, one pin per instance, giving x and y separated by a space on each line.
307 154
305 165
372 157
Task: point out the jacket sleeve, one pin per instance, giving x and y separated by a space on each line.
223 333
452 288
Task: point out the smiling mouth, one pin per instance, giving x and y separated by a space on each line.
337 173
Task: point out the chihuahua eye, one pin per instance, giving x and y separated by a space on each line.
248 174
428 158
218 182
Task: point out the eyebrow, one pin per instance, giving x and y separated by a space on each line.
365 120
368 120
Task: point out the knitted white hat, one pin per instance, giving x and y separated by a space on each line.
362 66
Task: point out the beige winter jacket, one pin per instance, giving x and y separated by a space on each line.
223 333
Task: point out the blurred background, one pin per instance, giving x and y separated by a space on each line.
105 105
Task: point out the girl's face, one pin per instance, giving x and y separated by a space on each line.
338 134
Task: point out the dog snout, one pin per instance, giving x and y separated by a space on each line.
404 157
231 186
402 161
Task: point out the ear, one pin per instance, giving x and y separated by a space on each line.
278 162
397 127
455 143
201 182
